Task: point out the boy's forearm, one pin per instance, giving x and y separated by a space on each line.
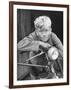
58 44
31 45
60 53
28 45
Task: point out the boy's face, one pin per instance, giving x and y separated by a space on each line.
44 33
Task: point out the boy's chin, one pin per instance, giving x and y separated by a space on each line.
44 40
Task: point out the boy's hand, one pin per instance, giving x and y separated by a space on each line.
45 45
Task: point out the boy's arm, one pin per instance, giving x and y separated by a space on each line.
28 44
58 44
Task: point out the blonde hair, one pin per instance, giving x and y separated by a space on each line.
42 21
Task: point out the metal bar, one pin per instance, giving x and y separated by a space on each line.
35 56
33 65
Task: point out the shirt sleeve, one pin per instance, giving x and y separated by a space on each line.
57 43
28 43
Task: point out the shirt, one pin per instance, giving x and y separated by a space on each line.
31 43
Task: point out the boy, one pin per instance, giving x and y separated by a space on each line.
41 40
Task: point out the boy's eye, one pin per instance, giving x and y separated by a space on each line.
40 27
46 30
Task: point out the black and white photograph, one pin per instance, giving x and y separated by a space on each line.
40 35
40 44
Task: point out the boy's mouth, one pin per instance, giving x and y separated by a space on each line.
44 38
